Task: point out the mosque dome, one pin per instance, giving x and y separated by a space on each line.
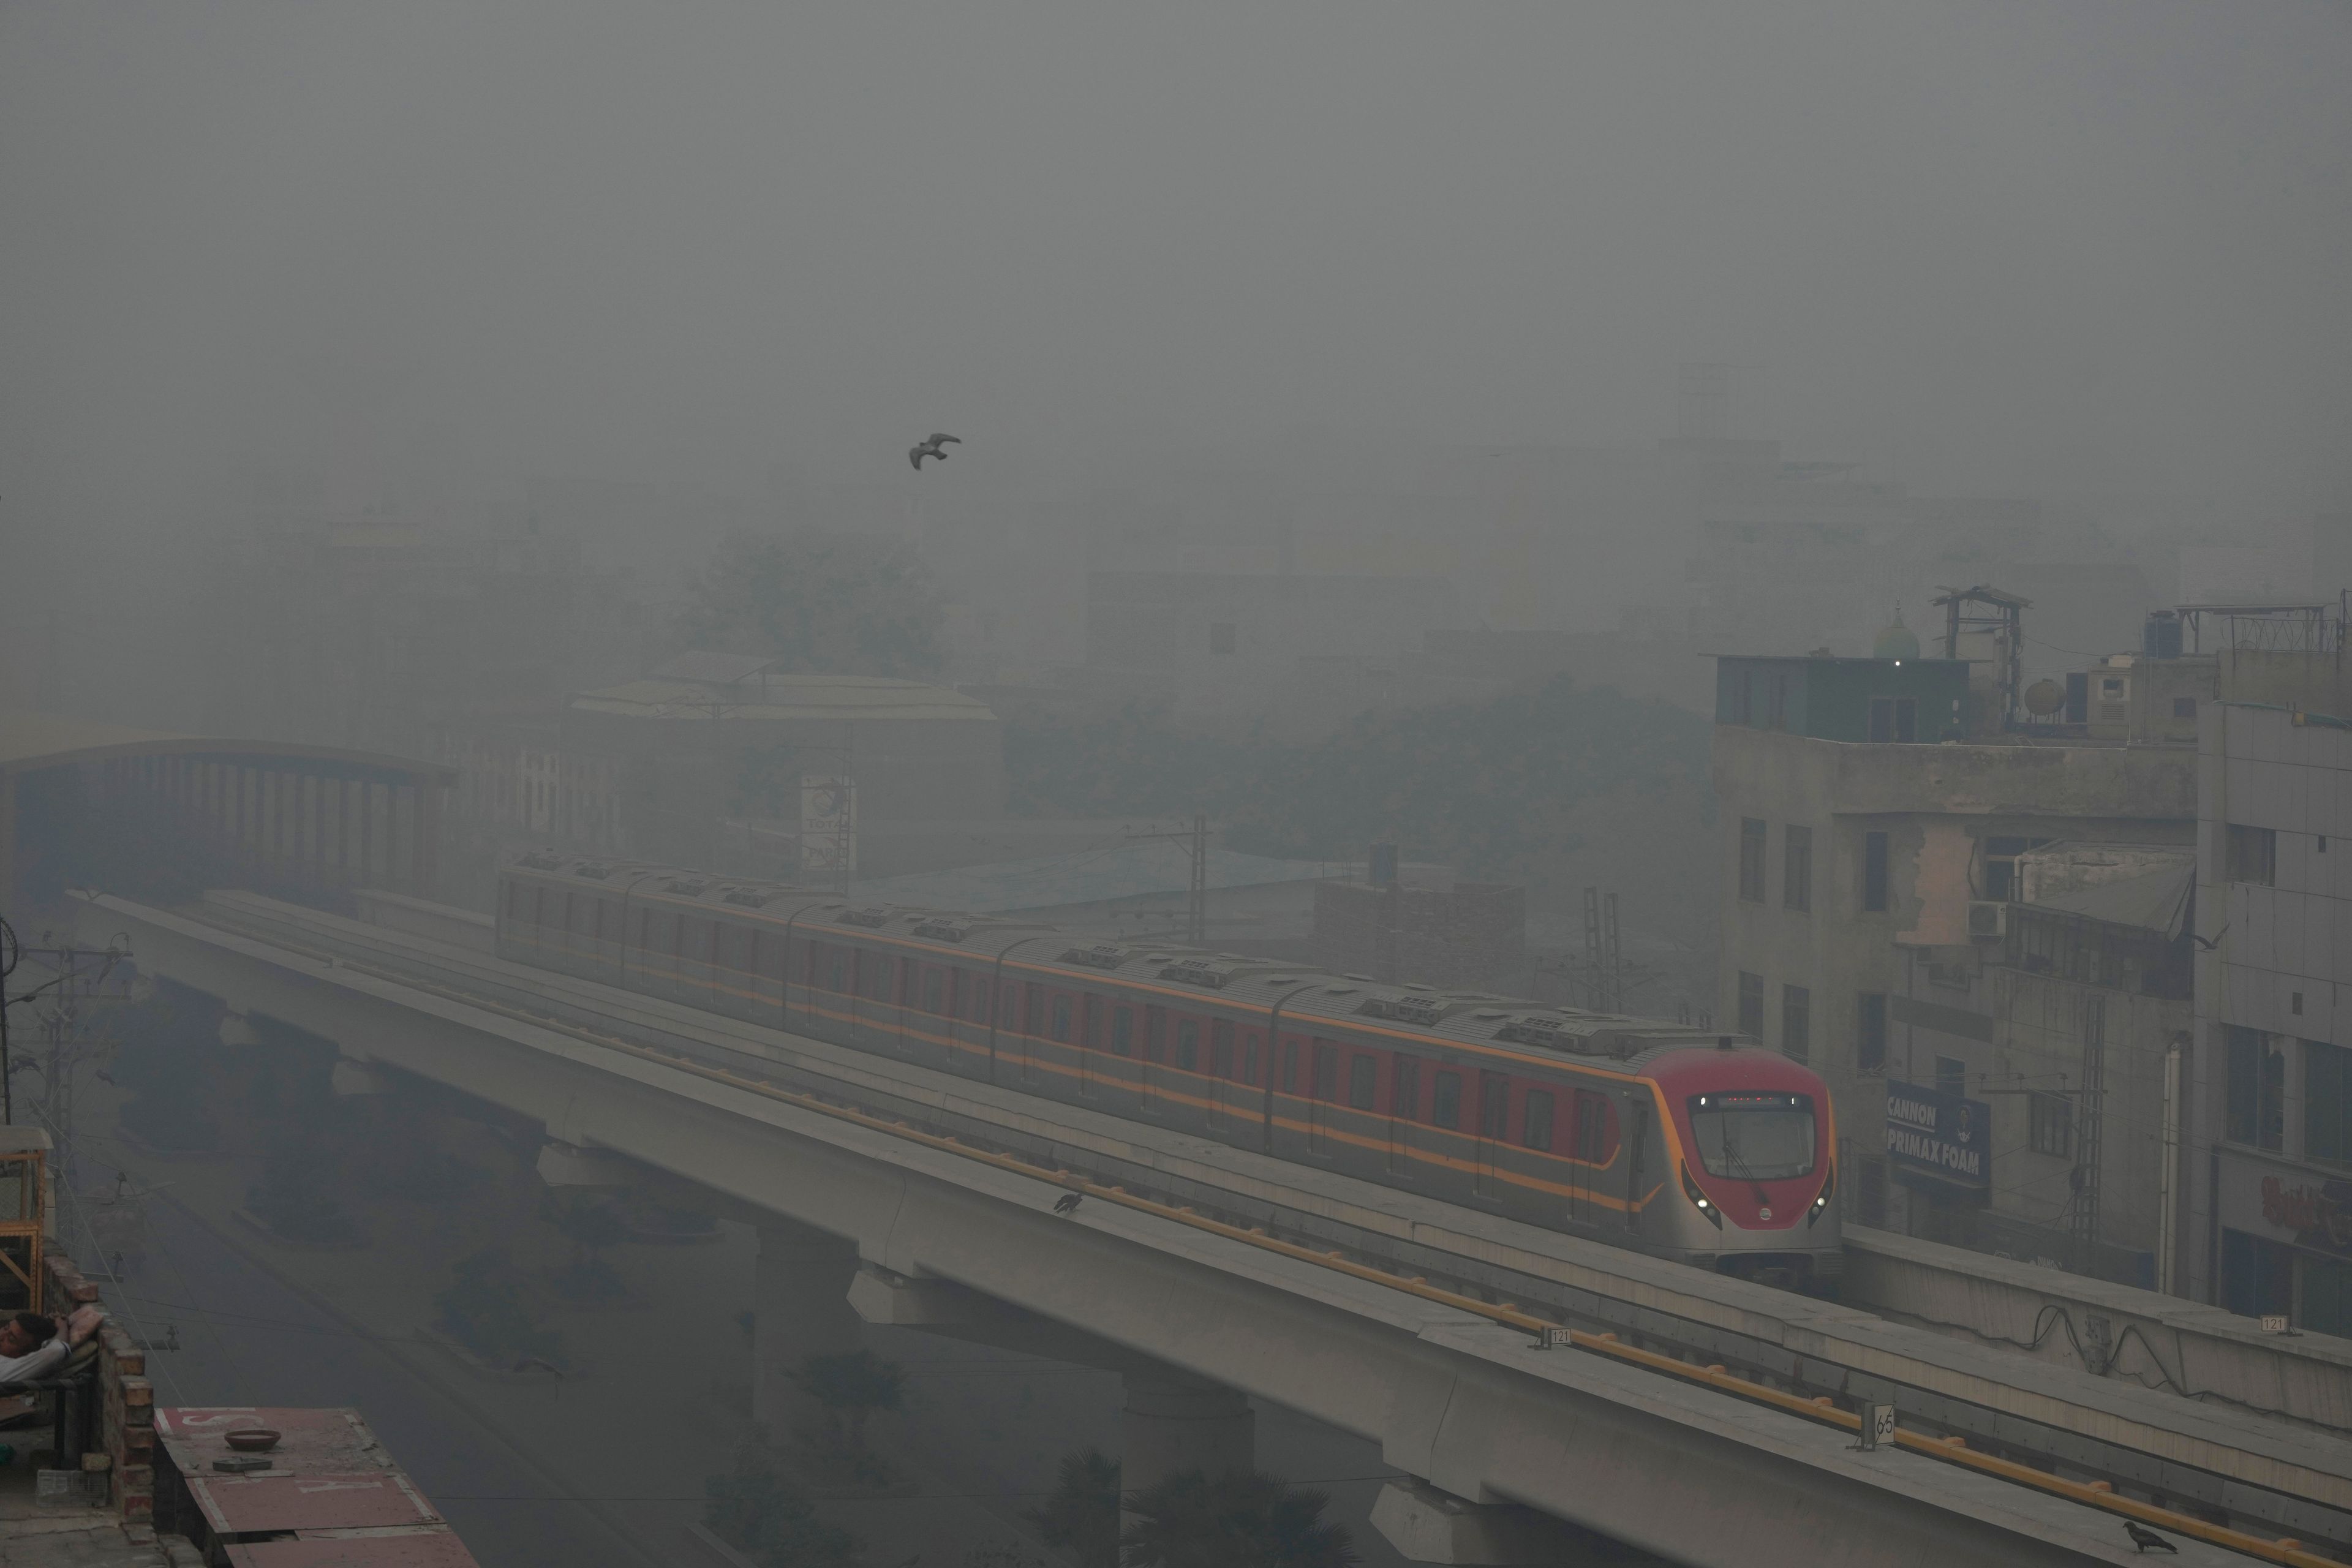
1897 641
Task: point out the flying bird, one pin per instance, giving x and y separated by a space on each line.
2148 1540
1067 1202
936 446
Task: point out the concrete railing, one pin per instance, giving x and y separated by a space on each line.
2161 1342
423 917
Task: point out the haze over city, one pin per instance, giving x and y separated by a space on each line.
1067 776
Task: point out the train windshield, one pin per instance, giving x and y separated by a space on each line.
1753 1137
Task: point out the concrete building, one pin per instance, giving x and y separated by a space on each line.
2270 1148
1869 825
680 766
1243 642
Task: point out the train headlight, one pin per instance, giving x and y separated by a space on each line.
1821 1200
1700 1200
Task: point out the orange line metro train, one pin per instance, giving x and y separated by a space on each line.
1679 1142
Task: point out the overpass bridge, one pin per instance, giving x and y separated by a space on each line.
1516 1377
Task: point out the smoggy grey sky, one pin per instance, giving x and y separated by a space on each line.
2025 247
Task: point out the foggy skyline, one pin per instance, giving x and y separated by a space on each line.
1993 249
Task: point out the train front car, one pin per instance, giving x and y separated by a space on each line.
1753 1186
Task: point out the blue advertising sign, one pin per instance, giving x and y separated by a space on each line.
1938 1138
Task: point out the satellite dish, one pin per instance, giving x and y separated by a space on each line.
2044 698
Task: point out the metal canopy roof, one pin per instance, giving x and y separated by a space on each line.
30 742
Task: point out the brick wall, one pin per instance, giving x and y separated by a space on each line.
126 1400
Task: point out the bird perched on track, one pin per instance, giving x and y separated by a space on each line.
1067 1202
2148 1540
936 446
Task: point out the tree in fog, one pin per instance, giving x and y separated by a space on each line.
1081 1516
1241 1518
849 1389
769 1520
820 601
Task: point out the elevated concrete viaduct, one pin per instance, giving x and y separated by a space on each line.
1483 1421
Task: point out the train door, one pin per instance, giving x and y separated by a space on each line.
1150 1071
1122 1070
1032 1027
1091 1044
1637 1127
1322 1107
1404 1111
1494 1122
1591 1144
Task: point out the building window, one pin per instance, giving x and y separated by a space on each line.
1445 1102
1870 1031
2049 1125
1797 869
1874 872
1893 720
1361 1072
1952 1076
1776 700
2184 707
2251 855
1535 1121
1220 637
2327 1102
2257 1274
1743 696
1751 859
2001 855
2254 1107
1796 1023
1751 1006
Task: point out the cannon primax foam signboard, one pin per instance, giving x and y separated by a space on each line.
1937 1140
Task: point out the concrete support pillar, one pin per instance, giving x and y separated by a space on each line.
800 1308
1171 1423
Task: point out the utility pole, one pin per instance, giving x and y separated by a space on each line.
1195 839
80 972
2089 1134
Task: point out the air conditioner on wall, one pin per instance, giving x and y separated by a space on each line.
1987 918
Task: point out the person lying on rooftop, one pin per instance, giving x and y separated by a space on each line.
31 1348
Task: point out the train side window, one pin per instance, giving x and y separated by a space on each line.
1251 1051
907 968
1062 1019
1008 1005
1445 1101
1363 1077
934 990
1596 1128
694 939
976 998
844 966
1188 1045
1290 1066
1122 1030
1535 1121
1326 1071
1155 1035
1032 1008
1220 1048
1404 1092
